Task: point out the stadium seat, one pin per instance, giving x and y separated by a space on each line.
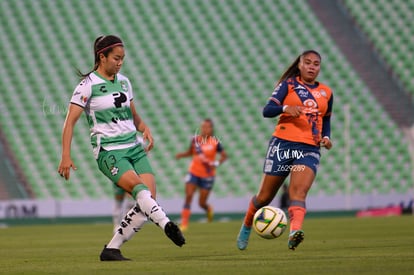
189 60
391 34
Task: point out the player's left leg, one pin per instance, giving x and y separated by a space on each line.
202 201
300 182
205 190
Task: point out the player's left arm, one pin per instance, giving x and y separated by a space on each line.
142 127
326 126
223 155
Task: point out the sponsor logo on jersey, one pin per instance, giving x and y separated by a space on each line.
299 87
303 93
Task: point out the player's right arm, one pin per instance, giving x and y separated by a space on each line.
66 163
78 102
187 153
275 107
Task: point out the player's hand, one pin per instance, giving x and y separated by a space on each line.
147 137
294 111
178 156
65 165
326 142
215 163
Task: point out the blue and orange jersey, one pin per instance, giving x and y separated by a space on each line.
316 102
204 150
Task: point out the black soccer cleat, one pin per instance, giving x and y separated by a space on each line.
112 254
174 233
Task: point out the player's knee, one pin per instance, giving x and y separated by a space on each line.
203 204
298 194
262 200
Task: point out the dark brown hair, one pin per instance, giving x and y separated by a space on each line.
209 120
102 45
293 69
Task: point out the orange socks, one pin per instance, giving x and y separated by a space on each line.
297 212
248 218
185 216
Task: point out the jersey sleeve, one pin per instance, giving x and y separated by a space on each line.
330 104
219 147
274 106
326 120
82 94
130 90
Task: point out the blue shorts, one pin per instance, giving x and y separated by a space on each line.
285 156
203 183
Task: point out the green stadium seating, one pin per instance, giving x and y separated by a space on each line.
188 60
388 25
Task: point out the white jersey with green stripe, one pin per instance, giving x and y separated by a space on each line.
107 107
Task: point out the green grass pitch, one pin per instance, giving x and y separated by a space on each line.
331 246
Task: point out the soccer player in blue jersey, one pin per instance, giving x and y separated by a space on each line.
106 97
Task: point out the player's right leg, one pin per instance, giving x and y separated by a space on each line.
117 212
190 188
268 188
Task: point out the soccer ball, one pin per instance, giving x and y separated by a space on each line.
269 222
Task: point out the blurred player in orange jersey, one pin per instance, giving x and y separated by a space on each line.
305 107
202 170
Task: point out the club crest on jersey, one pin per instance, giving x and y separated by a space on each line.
114 170
316 94
310 103
124 86
323 93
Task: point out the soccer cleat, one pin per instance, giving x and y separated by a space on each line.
174 233
295 238
112 254
210 214
243 237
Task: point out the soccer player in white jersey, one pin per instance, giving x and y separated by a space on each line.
106 97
